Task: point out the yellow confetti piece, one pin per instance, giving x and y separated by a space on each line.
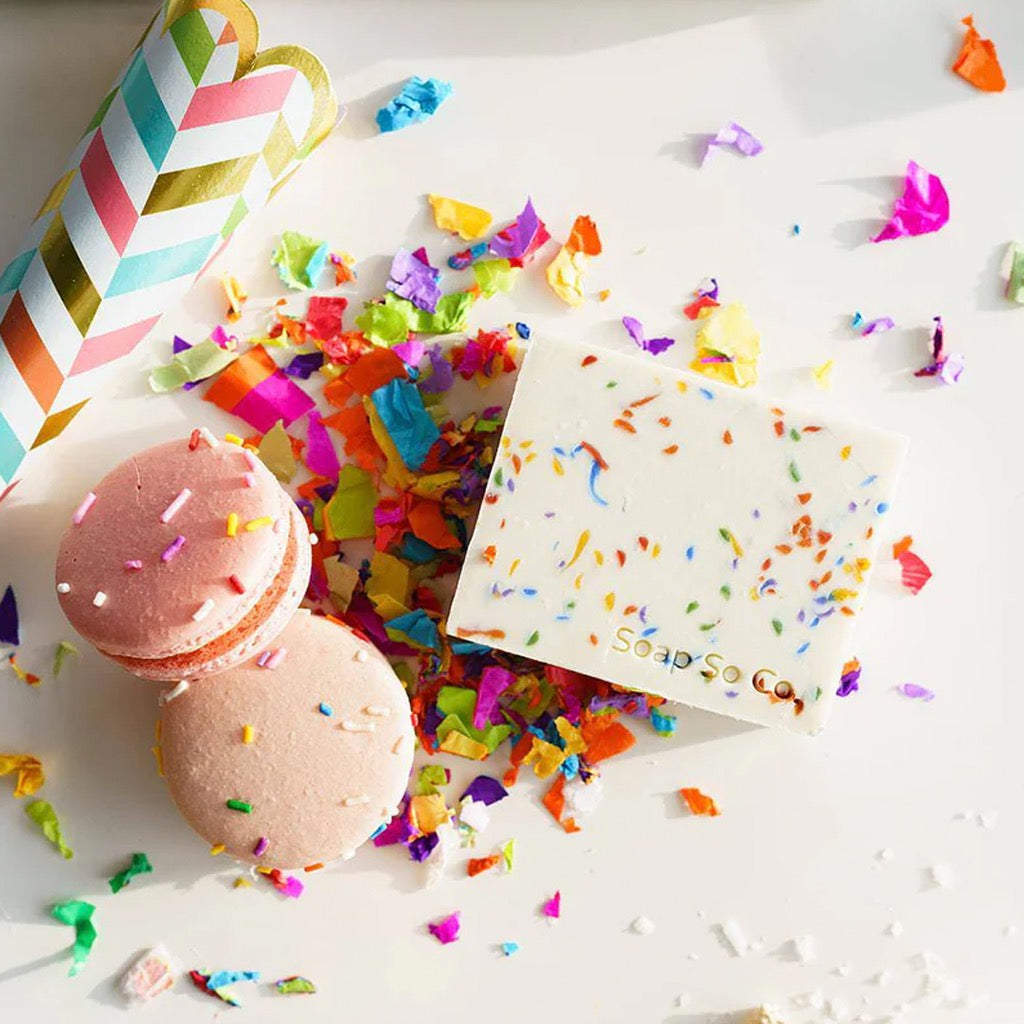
844 452
235 294
464 746
30 776
241 882
683 388
729 332
571 736
609 601
545 758
823 375
557 467
565 275
217 849
428 812
468 222
233 524
581 543
43 814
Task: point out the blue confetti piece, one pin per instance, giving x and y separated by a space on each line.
803 647
690 552
465 647
523 330
400 407
379 829
595 472
417 626
529 591
508 948
649 631
709 395
869 480
664 725
882 507
417 101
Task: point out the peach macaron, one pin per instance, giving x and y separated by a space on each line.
296 757
184 560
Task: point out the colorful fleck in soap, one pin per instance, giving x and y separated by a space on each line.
687 540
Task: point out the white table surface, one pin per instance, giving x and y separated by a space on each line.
596 108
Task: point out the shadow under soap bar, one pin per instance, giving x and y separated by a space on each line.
646 527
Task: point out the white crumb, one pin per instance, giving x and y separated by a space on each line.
842 970
683 999
894 930
1009 931
882 978
804 948
642 926
735 939
941 875
885 854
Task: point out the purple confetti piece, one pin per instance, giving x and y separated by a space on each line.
9 631
736 136
916 692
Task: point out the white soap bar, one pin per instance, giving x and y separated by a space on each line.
647 527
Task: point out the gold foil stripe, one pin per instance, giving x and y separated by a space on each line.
57 193
69 275
194 185
280 148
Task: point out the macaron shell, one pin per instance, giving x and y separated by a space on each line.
150 612
256 630
319 785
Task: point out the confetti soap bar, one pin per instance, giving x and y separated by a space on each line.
669 536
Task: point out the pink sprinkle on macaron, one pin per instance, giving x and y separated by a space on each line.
175 506
173 548
133 563
277 657
87 503
250 479
250 459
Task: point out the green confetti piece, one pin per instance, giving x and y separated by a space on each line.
495 276
139 866
296 257
533 638
239 805
794 472
61 654
276 453
430 779
612 384
499 477
349 513
794 434
1015 285
707 626
43 814
508 854
206 359
692 607
295 986
78 915
725 534
726 591
777 626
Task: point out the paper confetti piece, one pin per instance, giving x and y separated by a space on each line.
349 514
277 453
922 209
735 136
413 278
410 427
728 347
217 984
509 948
477 865
977 62
823 375
9 632
849 681
254 389
522 238
446 930
635 329
300 260
468 222
295 986
553 907
916 692
321 458
139 866
78 915
484 789
915 573
945 367
418 101
25 676
1015 278
63 651
565 272
43 814
878 326
699 803
191 366
30 775
153 973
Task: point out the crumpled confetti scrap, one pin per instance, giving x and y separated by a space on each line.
922 209
217 984
139 865
236 296
706 299
635 329
823 374
9 631
300 260
62 652
736 136
977 62
321 458
699 803
915 573
413 278
296 985
410 427
1015 273
521 239
78 915
916 692
30 775
468 222
23 674
447 929
947 367
417 101
849 681
255 390
728 347
190 366
565 272
877 326
277 453
553 907
43 814
154 972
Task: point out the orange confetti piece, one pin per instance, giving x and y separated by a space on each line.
624 425
554 801
605 737
977 62
804 498
354 426
671 449
427 522
477 865
493 634
902 545
727 437
584 237
699 803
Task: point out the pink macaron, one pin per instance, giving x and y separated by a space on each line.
183 560
297 756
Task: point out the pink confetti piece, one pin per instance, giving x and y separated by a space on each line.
173 548
80 513
494 681
321 458
915 573
922 209
553 906
447 929
175 506
916 692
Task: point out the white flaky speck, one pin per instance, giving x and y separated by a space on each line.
100 599
894 930
355 801
376 711
347 854
804 948
314 539
350 726
173 694
885 854
842 970
813 1000
582 799
734 938
1009 931
360 656
941 875
683 999
837 1010
63 588
882 978
694 957
642 926
203 610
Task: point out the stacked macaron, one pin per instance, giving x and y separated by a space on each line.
287 739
